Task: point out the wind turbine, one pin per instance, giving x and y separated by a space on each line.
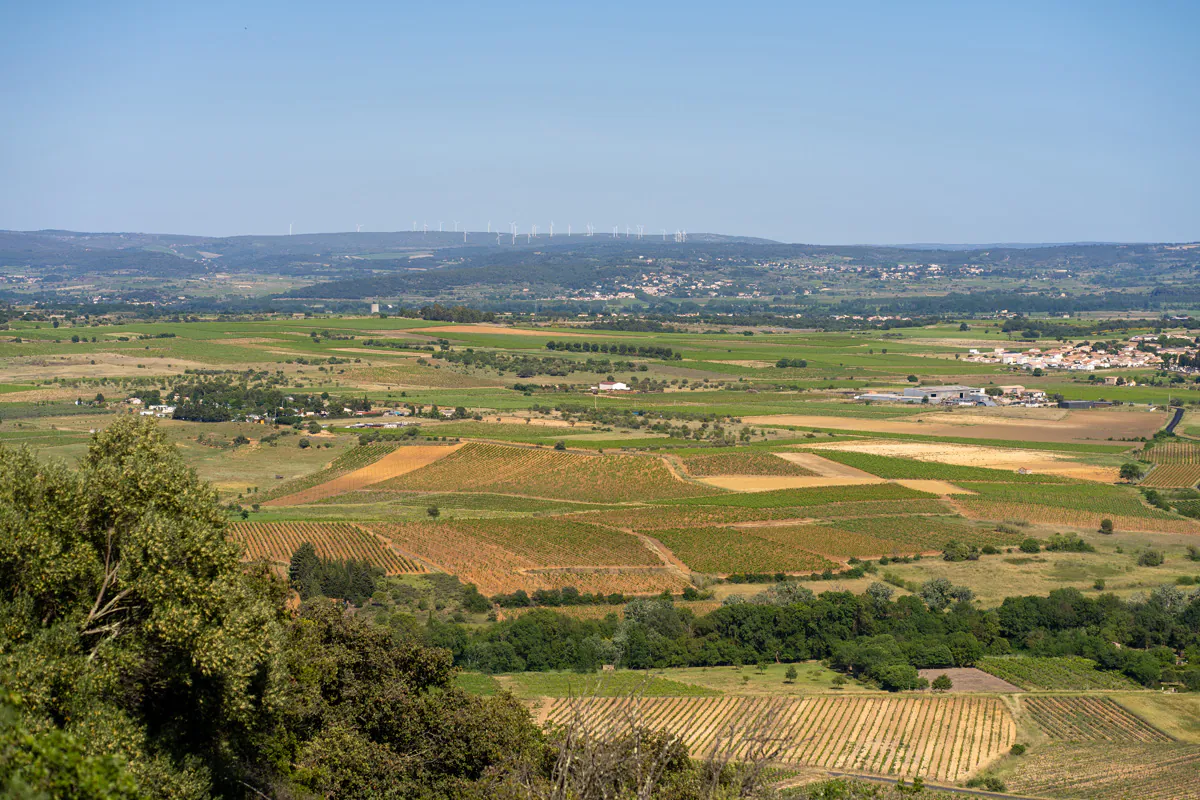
533 228
551 229
489 226
664 230
290 224
358 228
514 232
439 226
568 230
414 230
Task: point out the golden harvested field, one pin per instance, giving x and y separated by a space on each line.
276 541
400 461
1089 771
1089 719
1172 476
748 463
1039 461
1053 515
938 738
1094 425
503 555
547 473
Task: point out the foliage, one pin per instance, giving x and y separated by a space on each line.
312 576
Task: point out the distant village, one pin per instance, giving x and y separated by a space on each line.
1145 351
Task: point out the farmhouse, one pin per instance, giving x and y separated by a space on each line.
611 386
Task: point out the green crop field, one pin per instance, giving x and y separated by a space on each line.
1056 674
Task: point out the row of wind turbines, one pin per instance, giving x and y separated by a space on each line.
636 231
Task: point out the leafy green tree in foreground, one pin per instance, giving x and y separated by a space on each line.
147 661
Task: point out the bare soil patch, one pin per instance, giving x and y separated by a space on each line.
399 462
824 467
768 483
1007 458
933 487
1077 426
969 679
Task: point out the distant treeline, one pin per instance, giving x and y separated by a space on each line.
617 348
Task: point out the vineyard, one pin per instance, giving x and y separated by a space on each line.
799 498
398 461
726 550
1173 476
1089 719
939 738
1173 453
276 541
1063 673
550 474
1049 515
833 543
355 458
503 555
747 463
920 533
1098 772
1108 500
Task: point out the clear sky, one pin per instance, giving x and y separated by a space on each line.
832 122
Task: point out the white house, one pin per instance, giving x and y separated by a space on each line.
612 386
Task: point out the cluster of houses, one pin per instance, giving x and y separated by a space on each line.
161 411
959 395
1075 358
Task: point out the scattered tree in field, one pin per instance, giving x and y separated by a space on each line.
942 683
791 674
1106 526
1017 749
1151 558
433 511
838 681
1030 545
1130 472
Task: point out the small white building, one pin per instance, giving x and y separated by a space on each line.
611 386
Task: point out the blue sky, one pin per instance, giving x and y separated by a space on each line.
834 122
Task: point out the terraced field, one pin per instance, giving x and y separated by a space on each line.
938 738
1089 719
276 541
550 474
